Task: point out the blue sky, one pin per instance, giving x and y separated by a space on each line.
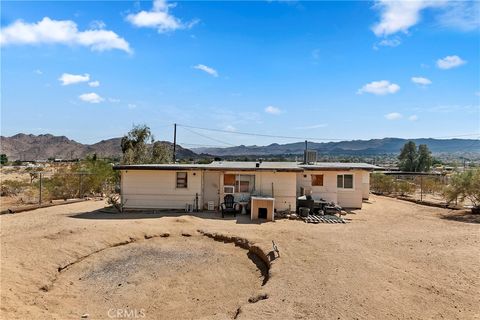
328 70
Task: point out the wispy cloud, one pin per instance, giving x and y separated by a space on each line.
68 78
391 42
381 87
450 62
94 84
413 117
48 31
206 69
393 116
38 71
159 18
400 16
421 81
91 97
273 110
131 106
461 15
314 126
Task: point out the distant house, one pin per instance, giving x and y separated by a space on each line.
175 186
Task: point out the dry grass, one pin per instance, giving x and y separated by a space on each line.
394 260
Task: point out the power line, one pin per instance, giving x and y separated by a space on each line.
259 134
210 138
298 138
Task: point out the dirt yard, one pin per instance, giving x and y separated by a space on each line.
393 260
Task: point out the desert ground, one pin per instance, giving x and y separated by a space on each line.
392 260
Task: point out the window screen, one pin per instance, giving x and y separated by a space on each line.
345 181
340 181
182 179
348 181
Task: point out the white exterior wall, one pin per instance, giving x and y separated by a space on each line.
284 187
351 198
347 198
365 184
158 189
327 192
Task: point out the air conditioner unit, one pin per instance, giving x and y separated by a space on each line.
310 156
228 189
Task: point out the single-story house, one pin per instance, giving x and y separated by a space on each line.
177 186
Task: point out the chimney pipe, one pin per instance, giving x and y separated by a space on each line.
305 152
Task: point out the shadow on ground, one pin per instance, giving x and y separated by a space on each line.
462 216
103 214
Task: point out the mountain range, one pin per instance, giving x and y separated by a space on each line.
354 147
44 146
37 147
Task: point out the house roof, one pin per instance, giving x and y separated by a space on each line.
252 166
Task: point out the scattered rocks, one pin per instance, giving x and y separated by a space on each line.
185 234
257 298
85 315
165 235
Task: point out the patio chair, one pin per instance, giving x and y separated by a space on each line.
229 206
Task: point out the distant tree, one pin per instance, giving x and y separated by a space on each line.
413 159
161 153
424 160
3 159
139 146
408 157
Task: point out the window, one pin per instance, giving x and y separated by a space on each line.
240 183
345 181
182 180
317 180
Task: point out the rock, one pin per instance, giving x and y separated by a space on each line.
85 315
165 235
186 234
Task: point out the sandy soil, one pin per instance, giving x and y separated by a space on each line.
393 260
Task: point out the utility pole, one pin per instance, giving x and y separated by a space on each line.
40 189
174 142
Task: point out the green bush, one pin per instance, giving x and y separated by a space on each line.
465 185
381 183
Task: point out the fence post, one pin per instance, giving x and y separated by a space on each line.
40 190
81 186
421 188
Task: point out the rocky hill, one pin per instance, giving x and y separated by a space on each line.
41 147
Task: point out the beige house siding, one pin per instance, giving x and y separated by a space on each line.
351 198
327 192
284 187
157 189
365 185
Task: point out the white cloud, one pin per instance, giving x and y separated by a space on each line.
273 110
381 87
159 18
97 24
230 128
113 100
461 15
38 71
450 62
421 81
413 117
94 84
206 69
400 16
315 126
132 106
91 97
48 31
393 116
393 42
67 78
